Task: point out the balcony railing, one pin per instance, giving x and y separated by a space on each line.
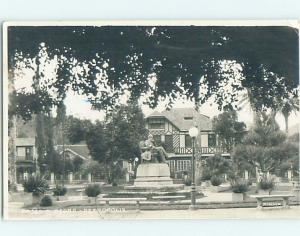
25 158
204 150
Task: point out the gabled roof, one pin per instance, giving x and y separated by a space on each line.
177 117
77 149
25 141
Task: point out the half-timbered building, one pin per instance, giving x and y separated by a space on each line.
170 129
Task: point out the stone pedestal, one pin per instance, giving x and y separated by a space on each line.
151 176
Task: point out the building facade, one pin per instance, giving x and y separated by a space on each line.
170 129
26 158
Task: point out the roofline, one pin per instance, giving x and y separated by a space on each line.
68 149
168 120
161 116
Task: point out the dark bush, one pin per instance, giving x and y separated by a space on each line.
206 175
266 183
188 182
114 184
35 185
46 201
215 180
59 191
92 190
239 186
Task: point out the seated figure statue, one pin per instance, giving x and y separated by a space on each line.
151 152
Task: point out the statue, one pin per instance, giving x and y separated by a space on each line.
151 152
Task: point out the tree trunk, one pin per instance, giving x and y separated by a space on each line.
286 119
13 171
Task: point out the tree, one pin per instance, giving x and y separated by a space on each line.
93 167
125 127
216 165
77 163
230 131
96 141
286 107
76 129
264 147
60 124
179 58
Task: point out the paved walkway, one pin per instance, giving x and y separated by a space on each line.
15 212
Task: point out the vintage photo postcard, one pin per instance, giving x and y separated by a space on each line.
151 120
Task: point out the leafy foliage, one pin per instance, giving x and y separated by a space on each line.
266 183
59 190
116 172
46 201
215 180
77 163
228 128
35 185
92 190
239 186
76 129
216 165
264 147
112 59
125 127
96 141
188 182
93 167
286 107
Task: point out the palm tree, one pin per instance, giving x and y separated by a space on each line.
286 107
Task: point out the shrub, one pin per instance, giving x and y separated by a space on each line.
92 190
59 191
114 184
46 201
188 182
215 180
266 183
35 185
239 186
206 175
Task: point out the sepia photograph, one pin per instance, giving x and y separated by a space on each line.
151 120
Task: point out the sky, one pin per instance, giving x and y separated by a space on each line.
78 106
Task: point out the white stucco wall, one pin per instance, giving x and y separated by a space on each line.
204 140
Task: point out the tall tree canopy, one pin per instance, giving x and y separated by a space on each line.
126 127
264 147
229 129
161 61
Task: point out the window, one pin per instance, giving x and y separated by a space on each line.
169 143
21 151
188 118
211 140
156 124
28 154
188 141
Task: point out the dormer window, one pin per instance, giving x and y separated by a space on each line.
188 118
156 123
